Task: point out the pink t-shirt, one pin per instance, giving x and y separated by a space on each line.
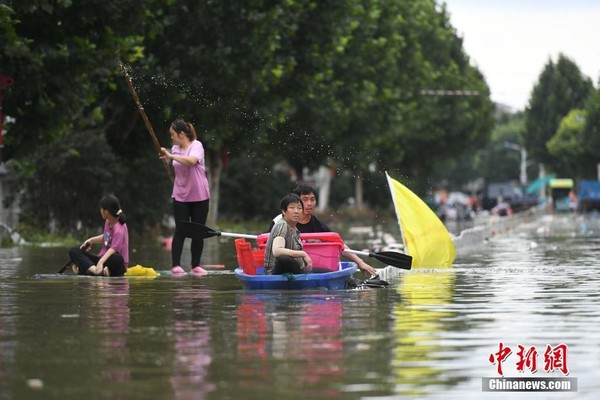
191 183
116 238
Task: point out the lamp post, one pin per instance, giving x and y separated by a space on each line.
520 149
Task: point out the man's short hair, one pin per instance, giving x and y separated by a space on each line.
303 189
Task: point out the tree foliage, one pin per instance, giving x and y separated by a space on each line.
493 162
561 87
575 145
591 137
300 82
62 57
567 145
70 175
419 132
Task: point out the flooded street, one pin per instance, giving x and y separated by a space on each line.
430 334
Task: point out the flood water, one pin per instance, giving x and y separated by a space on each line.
430 334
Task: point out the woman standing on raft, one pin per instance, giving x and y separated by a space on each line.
191 192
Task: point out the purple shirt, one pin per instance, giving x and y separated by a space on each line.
116 238
191 183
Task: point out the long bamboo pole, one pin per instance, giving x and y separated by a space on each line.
140 108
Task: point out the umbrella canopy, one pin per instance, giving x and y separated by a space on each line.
539 183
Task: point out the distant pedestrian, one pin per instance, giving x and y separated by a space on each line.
502 208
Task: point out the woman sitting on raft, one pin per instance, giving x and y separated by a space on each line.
284 252
114 255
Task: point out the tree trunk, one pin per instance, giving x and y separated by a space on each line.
358 191
298 171
324 181
214 170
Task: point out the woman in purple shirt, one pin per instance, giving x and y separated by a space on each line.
191 193
113 258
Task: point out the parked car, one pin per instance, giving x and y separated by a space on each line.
512 193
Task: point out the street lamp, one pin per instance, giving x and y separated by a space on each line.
520 149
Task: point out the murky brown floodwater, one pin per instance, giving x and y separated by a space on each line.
429 335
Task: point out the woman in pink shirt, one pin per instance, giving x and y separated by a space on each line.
113 258
191 193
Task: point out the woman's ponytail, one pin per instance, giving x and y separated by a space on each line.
111 204
187 128
121 217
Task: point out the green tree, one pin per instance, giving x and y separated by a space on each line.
254 190
320 95
490 163
62 183
567 145
298 81
62 55
591 138
240 72
394 52
425 131
561 87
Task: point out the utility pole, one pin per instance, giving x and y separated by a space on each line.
523 169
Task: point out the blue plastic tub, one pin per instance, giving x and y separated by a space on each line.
334 280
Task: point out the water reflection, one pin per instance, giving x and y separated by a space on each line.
8 332
429 335
293 342
10 258
191 346
109 321
420 318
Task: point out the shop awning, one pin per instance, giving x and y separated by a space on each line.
589 191
539 183
561 184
